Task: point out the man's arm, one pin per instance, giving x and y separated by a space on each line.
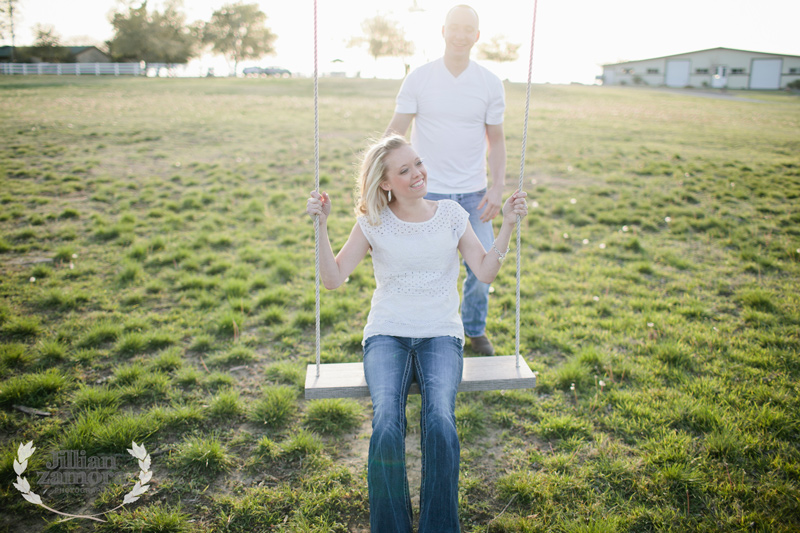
493 200
399 124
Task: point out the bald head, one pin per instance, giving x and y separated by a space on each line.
460 32
462 12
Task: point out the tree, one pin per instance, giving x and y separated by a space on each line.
47 44
46 36
7 9
237 32
153 37
384 38
498 49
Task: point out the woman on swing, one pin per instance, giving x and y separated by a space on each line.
414 330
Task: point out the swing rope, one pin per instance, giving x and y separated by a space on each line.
316 185
522 177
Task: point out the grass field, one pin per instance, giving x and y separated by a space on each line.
156 272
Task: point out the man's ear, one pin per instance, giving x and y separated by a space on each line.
478 36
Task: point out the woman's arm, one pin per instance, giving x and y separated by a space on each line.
485 265
333 271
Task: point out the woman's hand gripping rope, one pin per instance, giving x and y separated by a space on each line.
515 205
319 205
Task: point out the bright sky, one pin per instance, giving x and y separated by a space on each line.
573 37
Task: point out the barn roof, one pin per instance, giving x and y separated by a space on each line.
696 52
5 51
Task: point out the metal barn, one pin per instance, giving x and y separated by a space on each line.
717 68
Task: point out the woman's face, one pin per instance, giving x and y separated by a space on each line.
406 176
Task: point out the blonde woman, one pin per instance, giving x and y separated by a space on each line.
414 331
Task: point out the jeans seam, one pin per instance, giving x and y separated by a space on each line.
403 403
423 434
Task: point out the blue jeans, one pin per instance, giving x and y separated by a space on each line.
390 365
475 297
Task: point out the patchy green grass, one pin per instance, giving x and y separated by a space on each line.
34 389
157 286
154 518
334 415
202 457
276 407
226 404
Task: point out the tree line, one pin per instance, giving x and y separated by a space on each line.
236 31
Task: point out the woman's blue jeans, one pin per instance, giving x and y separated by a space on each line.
390 365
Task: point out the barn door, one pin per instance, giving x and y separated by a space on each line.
766 74
678 73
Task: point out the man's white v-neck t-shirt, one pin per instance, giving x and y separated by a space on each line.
449 130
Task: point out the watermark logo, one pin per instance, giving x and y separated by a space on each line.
72 467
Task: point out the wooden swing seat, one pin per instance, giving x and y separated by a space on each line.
346 380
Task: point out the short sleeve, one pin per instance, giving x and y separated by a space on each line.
406 101
366 228
497 102
459 218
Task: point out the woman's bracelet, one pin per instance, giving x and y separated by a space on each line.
500 255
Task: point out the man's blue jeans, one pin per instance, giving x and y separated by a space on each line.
475 297
390 365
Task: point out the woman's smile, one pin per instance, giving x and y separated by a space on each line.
406 172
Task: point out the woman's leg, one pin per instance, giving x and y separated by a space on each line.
388 369
438 367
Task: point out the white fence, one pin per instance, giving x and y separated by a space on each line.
72 69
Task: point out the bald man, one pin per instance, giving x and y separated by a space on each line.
457 109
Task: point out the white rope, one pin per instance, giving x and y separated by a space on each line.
522 178
316 182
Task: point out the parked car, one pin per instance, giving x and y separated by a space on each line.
268 71
276 71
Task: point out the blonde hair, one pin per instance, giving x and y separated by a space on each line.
371 198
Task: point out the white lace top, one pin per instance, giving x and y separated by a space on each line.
416 273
